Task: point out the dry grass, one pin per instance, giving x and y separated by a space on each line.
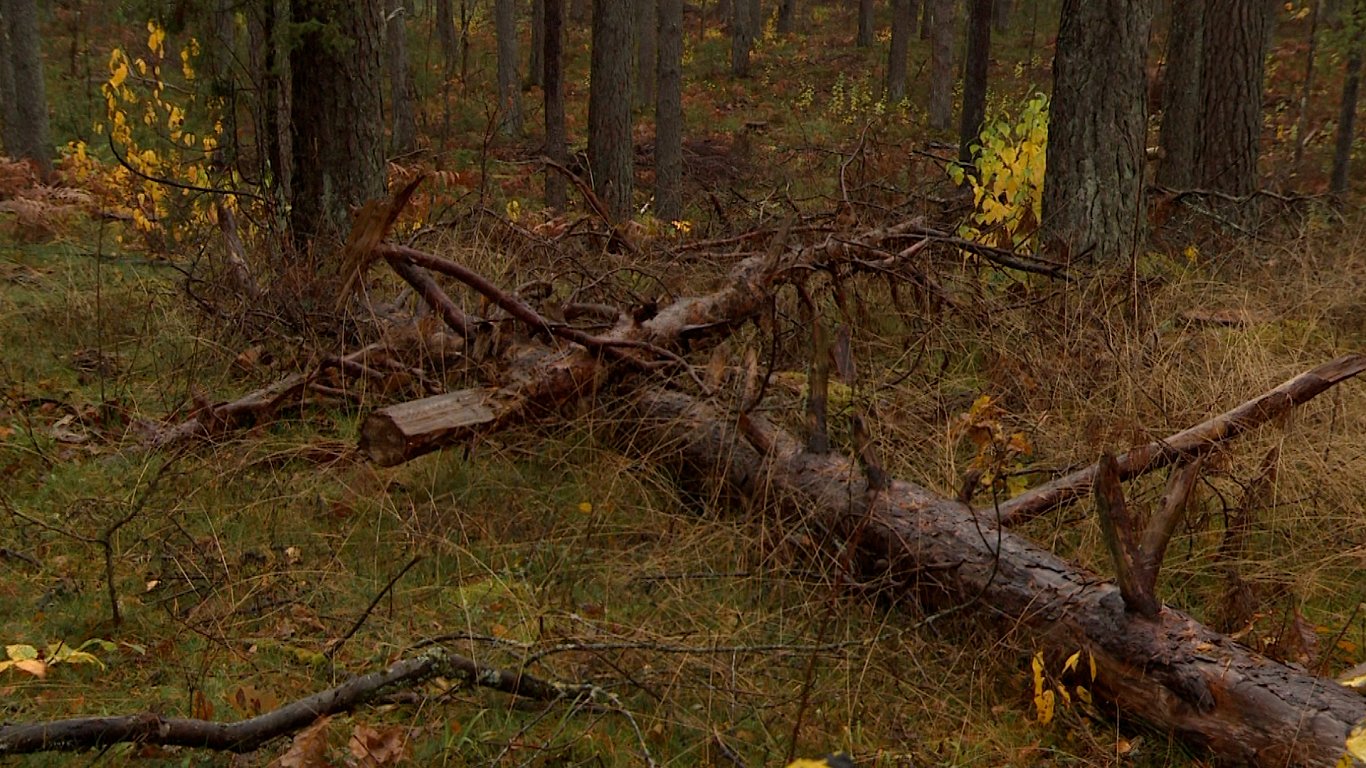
711 624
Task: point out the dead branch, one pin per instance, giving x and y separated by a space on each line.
83 733
1169 671
1187 443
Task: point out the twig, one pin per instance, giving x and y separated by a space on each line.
83 733
336 645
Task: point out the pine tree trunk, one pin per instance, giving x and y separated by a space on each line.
9 113
509 88
536 62
445 34
1181 96
741 38
647 37
29 134
1093 190
404 128
943 34
337 136
1000 16
1235 44
787 17
669 113
975 77
865 24
1342 151
269 63
555 141
897 51
611 152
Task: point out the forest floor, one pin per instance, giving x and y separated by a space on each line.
237 561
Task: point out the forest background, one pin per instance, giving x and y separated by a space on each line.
174 218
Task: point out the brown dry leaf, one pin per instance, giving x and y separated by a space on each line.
373 748
309 748
200 706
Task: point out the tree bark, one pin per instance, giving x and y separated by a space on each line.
1000 16
977 59
509 87
446 36
1097 126
943 35
555 140
865 24
897 51
1181 95
647 43
741 38
1170 672
28 136
1236 37
268 25
669 113
1342 150
536 64
611 151
404 126
337 136
787 17
9 113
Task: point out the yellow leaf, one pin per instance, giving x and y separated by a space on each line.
1356 742
1044 706
1073 660
586 507
21 652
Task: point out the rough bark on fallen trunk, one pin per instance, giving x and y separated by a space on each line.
1172 672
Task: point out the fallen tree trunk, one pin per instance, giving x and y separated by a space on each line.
1171 672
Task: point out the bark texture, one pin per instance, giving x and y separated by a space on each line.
669 113
1181 95
611 150
536 61
1236 37
741 37
647 50
787 17
337 139
865 24
509 87
943 29
9 115
404 127
556 145
1347 113
1171 672
897 51
445 34
978 57
28 136
1093 189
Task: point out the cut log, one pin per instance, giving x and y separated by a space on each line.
407 429
1171 672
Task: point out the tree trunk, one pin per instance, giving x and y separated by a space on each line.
1302 121
555 141
1000 16
509 86
647 40
1181 96
581 10
943 35
9 113
1233 62
611 151
28 136
1097 126
787 17
978 57
741 38
897 51
337 136
536 63
1342 151
865 24
268 60
925 11
669 113
445 34
404 128
1170 672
